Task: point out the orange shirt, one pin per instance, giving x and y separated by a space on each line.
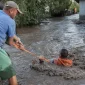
63 61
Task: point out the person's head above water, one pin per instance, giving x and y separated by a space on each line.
63 53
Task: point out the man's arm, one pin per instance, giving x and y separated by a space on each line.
15 41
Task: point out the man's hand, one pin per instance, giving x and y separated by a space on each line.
19 46
15 41
18 43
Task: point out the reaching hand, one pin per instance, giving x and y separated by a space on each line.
19 45
41 57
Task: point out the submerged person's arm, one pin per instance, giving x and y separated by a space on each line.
44 59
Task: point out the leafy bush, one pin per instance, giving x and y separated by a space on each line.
57 7
74 5
34 10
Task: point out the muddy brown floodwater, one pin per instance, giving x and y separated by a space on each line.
48 39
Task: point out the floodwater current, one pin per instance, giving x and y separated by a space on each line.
48 39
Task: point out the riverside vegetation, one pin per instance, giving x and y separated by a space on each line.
36 10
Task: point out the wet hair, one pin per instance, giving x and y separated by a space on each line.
63 53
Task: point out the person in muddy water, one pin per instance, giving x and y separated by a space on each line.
7 29
63 59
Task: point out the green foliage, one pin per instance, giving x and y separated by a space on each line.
34 10
59 6
74 5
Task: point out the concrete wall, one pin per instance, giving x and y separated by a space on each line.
82 9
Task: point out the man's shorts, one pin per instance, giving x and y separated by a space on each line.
6 69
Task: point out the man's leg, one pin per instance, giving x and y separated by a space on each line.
13 81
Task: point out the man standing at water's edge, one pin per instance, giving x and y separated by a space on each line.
7 30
